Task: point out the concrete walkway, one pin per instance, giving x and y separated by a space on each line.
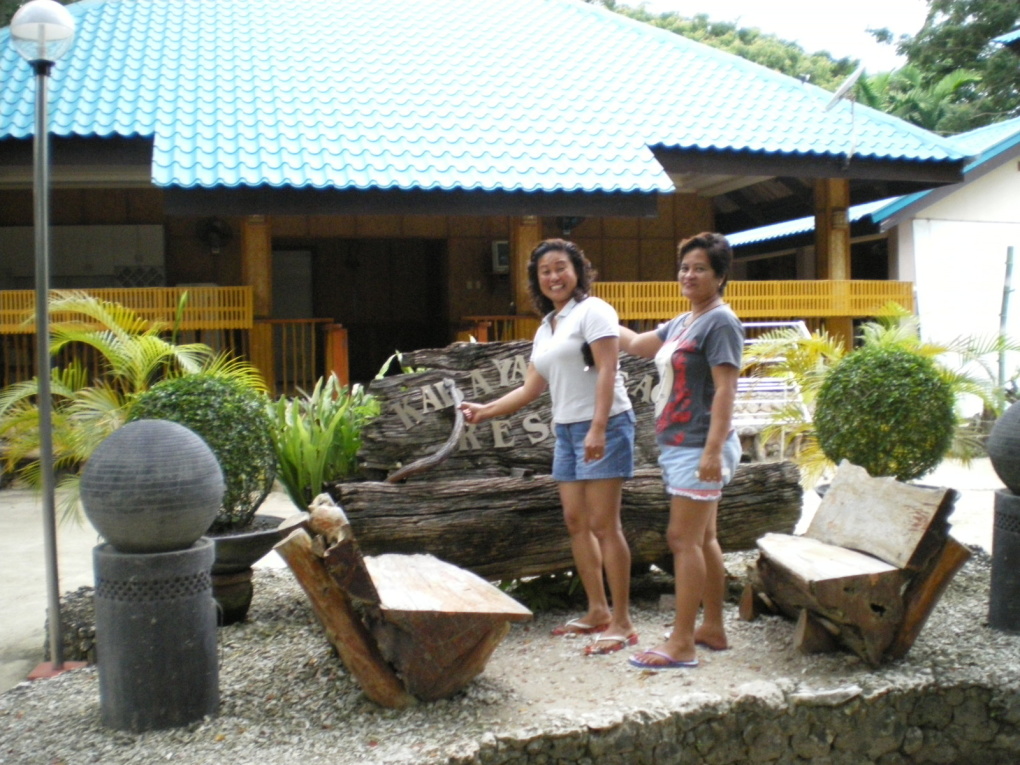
23 564
23 569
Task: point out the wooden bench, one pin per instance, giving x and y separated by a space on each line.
406 626
868 571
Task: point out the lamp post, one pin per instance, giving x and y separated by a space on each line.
42 31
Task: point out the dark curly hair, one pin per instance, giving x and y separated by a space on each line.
716 247
582 267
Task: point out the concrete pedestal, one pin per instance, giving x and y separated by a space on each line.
1004 596
156 628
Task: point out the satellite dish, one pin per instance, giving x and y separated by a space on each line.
843 89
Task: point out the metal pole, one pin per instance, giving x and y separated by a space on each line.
1007 288
42 351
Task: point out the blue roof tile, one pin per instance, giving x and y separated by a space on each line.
436 94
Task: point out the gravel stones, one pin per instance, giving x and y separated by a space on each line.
286 697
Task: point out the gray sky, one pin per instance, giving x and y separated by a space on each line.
832 25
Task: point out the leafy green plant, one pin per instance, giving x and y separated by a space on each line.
231 418
90 403
966 364
317 436
887 410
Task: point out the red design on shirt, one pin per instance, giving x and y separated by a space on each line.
678 406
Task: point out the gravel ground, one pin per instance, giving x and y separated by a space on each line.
286 697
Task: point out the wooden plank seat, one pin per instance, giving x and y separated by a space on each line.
868 571
406 627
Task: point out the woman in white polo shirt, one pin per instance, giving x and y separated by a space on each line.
576 356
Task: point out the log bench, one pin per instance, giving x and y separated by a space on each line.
868 571
406 627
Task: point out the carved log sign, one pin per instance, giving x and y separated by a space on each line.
417 414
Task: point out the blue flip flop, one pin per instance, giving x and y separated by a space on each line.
671 663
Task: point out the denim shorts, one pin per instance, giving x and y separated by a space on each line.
680 465
617 462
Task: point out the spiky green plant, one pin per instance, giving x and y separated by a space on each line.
317 436
131 354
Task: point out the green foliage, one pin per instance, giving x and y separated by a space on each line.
967 365
317 436
907 93
89 404
888 410
231 418
957 35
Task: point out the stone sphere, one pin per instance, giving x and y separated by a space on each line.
152 486
1003 447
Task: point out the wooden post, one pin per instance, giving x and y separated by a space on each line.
337 359
832 244
262 353
257 263
525 233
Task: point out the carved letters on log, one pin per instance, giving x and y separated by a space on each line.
417 414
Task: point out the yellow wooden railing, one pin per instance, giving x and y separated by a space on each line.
643 304
207 308
290 354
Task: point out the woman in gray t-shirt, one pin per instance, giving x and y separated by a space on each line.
698 355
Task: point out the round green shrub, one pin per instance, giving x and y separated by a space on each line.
887 410
231 418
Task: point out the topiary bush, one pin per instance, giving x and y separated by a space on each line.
231 417
887 410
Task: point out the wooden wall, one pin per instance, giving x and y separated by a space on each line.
621 249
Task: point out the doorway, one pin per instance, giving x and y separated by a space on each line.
390 294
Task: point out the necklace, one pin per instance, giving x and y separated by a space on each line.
695 315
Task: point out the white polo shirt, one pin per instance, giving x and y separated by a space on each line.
557 357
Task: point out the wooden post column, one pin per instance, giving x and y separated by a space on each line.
832 245
525 233
257 263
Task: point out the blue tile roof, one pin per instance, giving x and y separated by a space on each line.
528 95
981 145
1009 38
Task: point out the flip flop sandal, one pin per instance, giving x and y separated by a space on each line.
576 627
671 663
616 643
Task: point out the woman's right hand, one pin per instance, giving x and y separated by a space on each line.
473 413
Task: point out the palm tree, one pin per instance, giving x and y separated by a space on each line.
903 93
131 353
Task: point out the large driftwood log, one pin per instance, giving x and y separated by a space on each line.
505 528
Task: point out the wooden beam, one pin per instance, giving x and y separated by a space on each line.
257 263
525 233
832 244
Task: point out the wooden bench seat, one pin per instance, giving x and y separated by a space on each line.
407 627
868 571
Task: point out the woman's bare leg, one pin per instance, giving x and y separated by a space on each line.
602 500
712 632
586 551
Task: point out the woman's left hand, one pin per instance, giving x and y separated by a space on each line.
595 444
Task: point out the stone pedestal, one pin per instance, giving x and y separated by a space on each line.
156 627
1004 596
